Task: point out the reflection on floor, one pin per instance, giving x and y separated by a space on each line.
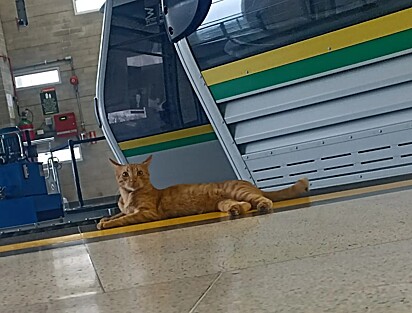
336 256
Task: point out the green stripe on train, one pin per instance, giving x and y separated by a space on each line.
315 65
170 144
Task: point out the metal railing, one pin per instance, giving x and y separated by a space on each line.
70 144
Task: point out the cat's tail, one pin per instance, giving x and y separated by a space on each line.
294 191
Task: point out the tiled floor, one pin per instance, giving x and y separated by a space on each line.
351 256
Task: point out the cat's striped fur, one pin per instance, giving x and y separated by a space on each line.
141 202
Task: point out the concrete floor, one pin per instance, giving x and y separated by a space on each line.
350 256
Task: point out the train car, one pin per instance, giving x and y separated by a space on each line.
316 88
291 88
146 104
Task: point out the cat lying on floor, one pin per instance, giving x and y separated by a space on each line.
140 202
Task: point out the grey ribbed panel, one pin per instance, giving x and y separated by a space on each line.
346 127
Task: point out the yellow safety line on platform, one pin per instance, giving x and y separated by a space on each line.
198 218
113 231
336 40
154 225
40 243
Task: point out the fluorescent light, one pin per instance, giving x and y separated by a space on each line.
62 155
84 6
37 79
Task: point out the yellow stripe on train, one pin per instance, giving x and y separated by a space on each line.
174 135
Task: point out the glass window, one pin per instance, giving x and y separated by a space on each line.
146 90
87 6
235 29
37 79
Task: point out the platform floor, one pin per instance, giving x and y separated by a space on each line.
348 252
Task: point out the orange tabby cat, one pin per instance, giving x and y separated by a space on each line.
141 202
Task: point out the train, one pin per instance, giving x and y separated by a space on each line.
266 91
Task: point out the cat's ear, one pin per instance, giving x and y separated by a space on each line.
148 160
114 163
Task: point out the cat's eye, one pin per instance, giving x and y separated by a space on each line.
125 174
139 173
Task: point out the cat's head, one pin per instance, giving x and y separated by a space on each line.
133 177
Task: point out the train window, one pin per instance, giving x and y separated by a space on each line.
146 90
235 29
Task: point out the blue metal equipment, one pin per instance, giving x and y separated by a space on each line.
23 192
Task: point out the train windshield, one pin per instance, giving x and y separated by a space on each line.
235 29
146 91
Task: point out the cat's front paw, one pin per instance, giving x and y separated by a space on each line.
103 220
234 212
100 225
239 208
